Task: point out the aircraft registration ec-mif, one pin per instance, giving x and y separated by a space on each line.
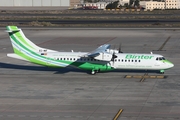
101 59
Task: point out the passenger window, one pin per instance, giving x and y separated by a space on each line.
125 60
135 60
128 60
132 60
64 58
139 60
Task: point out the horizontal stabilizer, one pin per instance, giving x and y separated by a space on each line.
12 55
11 31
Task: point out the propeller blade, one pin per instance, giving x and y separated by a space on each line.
120 48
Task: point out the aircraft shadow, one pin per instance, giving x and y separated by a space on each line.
39 68
63 70
136 71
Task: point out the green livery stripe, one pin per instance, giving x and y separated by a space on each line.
30 52
17 42
20 37
167 61
30 58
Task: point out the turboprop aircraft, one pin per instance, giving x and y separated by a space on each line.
101 59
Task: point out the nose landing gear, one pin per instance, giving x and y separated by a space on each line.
162 71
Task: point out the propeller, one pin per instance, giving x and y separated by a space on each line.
119 50
113 55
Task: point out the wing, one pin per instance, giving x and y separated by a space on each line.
100 53
96 52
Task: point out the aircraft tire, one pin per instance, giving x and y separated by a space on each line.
93 72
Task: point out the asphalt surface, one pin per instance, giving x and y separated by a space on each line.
87 21
89 14
33 92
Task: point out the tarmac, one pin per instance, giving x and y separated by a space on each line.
33 92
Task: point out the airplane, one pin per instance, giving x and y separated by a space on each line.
101 59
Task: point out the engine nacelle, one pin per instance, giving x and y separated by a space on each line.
112 51
104 57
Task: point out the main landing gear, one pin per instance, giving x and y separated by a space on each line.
93 72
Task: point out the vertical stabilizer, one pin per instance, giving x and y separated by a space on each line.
20 41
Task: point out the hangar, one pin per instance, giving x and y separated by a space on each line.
36 3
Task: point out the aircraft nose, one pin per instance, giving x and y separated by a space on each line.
171 65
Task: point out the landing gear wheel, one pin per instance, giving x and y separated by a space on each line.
93 72
162 71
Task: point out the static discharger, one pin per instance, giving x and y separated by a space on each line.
118 114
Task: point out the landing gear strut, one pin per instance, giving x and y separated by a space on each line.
93 72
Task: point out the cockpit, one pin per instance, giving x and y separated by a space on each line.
160 58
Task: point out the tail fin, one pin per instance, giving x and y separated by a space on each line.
20 41
24 49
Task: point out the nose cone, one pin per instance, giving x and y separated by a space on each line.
168 64
171 65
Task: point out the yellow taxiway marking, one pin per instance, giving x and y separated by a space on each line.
146 76
118 114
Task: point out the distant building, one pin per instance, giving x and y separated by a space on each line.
167 4
75 2
98 5
108 0
172 4
151 5
39 3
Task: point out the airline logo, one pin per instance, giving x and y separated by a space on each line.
130 56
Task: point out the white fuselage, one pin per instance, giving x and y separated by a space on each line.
123 60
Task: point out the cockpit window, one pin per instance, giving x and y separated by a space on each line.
163 58
160 58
